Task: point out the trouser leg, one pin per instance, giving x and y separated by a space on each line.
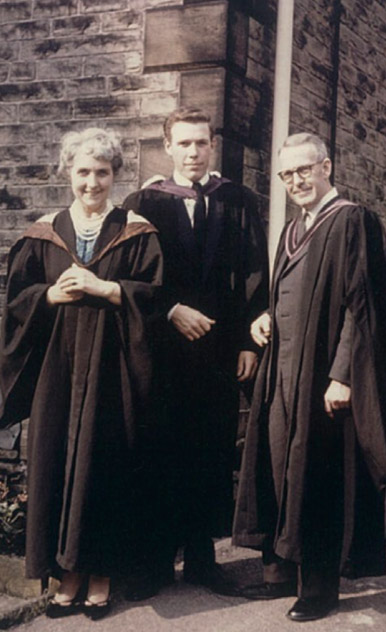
276 569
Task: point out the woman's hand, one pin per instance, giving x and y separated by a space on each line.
77 281
56 295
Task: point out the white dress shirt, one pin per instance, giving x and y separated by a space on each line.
309 215
189 202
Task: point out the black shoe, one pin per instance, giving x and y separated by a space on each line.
148 584
212 577
269 590
55 609
312 608
96 611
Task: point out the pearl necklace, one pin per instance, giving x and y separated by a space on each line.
88 228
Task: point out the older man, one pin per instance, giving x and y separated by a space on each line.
316 447
215 284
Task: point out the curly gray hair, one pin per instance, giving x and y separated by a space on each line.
100 143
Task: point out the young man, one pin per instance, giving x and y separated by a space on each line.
316 447
215 284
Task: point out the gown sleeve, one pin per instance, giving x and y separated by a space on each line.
24 328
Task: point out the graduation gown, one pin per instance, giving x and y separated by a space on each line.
329 469
198 391
83 373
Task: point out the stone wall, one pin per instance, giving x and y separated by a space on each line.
125 64
338 89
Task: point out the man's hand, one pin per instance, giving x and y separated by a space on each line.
261 330
246 365
190 322
337 396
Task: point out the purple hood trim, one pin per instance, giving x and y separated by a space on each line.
169 186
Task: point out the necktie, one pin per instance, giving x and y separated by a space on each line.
302 226
199 217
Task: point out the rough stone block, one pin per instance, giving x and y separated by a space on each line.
24 71
77 25
9 51
55 7
86 87
196 34
45 111
15 10
153 160
246 107
101 5
14 155
34 91
32 173
23 134
73 46
103 65
137 128
205 89
133 61
120 20
157 104
238 39
157 82
51 197
58 68
4 72
4 175
106 107
25 30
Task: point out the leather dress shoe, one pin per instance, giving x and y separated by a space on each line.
212 577
269 590
312 608
148 584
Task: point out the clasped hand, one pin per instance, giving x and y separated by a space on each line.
74 282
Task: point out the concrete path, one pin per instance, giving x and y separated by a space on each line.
184 608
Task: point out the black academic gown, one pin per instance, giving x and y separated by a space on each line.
83 373
198 391
329 469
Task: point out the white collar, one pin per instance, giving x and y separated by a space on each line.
185 182
325 199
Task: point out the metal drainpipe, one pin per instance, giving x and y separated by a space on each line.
280 124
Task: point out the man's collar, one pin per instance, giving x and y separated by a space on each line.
332 193
185 182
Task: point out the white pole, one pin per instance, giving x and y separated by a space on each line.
280 124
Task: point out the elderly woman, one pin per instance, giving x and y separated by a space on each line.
75 358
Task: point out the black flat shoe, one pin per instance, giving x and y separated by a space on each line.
96 611
269 590
312 608
55 609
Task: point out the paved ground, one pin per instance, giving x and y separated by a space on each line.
183 608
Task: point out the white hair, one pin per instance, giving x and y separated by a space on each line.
305 138
100 143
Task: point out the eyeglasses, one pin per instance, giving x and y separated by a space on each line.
303 172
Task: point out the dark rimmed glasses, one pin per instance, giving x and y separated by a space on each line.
304 171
